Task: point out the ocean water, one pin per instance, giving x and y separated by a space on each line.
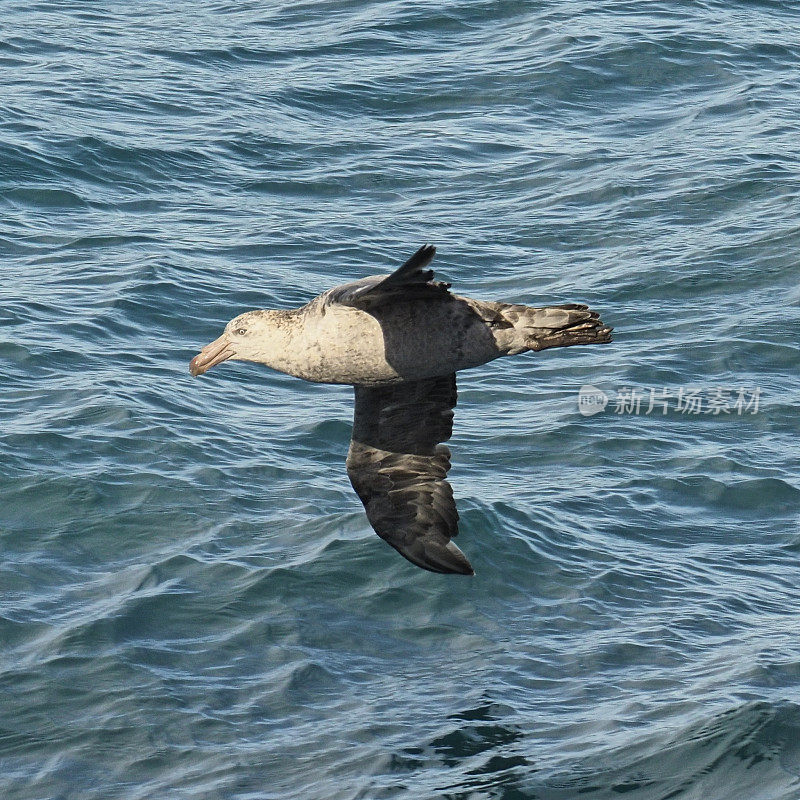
192 603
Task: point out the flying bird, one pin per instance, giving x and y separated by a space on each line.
399 339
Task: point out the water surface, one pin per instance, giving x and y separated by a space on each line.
192 603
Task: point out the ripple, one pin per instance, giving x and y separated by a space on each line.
194 602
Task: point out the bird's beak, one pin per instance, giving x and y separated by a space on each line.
212 354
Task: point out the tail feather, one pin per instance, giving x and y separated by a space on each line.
528 328
562 326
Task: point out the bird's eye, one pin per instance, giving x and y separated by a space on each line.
241 331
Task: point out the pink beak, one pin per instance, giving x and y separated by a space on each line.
212 354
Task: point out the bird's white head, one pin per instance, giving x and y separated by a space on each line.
249 337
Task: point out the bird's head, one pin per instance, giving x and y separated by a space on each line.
245 338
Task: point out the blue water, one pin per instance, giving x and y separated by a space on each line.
192 603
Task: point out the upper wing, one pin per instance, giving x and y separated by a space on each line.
411 279
399 468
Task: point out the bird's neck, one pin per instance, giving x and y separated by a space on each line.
279 349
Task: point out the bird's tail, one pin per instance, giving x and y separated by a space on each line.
520 328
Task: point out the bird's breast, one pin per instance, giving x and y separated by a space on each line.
401 341
342 345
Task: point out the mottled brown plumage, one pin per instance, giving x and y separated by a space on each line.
400 339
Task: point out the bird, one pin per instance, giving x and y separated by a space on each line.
399 340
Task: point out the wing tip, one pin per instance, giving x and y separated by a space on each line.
447 560
419 260
459 561
435 556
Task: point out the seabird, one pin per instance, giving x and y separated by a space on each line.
399 339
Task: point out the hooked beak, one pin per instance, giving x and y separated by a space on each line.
212 354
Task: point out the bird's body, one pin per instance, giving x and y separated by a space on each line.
327 342
400 339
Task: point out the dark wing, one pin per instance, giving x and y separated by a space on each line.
399 468
410 280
